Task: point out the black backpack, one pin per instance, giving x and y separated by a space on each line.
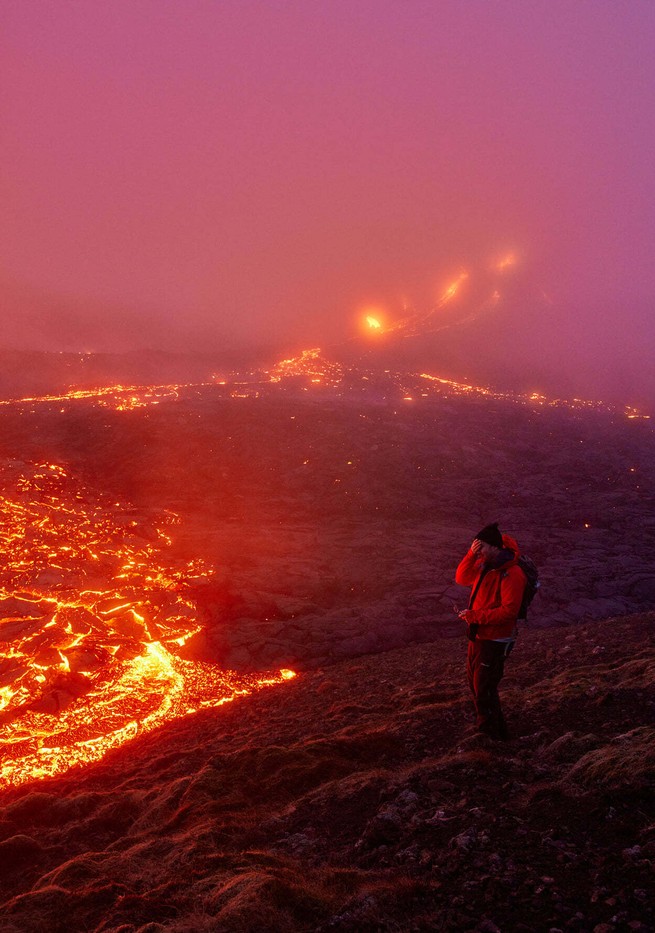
532 584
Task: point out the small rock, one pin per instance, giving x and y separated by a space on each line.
439 816
465 840
384 828
408 801
488 926
632 853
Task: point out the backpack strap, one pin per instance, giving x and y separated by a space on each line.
483 572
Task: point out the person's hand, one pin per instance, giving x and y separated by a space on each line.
476 546
467 615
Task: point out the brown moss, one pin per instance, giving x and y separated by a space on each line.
17 851
272 900
627 761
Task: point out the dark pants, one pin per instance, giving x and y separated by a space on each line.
485 664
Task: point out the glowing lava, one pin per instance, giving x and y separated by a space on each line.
311 367
312 370
91 617
453 288
119 397
373 323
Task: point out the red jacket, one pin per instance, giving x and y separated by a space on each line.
498 600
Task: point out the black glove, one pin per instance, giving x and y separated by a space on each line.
472 630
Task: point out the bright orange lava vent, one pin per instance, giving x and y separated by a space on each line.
91 616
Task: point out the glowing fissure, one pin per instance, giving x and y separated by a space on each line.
91 614
312 368
119 397
533 398
314 371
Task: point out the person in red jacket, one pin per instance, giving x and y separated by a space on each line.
497 583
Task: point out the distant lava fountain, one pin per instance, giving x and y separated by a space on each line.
91 615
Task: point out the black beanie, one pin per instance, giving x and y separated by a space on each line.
490 534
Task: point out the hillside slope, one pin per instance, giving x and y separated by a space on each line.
355 798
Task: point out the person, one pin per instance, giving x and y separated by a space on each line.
497 583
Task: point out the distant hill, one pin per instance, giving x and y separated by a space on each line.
24 372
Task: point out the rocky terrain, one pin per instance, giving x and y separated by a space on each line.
335 524
355 797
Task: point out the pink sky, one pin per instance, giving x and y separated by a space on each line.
195 173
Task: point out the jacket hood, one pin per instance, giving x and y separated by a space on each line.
510 544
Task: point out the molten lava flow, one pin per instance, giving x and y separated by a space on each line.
310 366
453 288
314 371
451 387
91 616
373 323
122 398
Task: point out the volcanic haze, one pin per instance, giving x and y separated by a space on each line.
241 175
